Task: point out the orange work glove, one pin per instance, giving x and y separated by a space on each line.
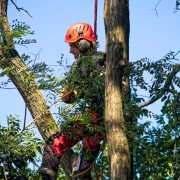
67 94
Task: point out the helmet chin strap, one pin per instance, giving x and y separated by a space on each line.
76 46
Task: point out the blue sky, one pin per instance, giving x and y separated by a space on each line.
150 36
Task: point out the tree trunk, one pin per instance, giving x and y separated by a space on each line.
116 18
21 77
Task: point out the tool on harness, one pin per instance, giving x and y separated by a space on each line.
81 165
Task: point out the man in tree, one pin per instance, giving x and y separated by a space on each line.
85 87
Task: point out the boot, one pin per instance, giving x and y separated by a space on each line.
50 164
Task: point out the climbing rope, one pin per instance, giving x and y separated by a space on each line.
95 17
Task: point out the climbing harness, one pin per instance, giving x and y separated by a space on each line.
86 170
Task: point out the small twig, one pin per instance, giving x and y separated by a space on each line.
4 171
175 148
102 165
97 176
37 55
56 65
155 9
19 9
25 113
7 88
176 54
32 122
36 118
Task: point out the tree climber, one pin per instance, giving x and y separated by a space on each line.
85 86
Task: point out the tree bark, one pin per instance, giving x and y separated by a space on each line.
21 77
116 18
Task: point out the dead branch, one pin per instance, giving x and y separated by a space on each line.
155 9
19 9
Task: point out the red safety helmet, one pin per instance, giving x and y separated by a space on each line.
80 31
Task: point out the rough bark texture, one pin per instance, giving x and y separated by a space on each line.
116 18
25 84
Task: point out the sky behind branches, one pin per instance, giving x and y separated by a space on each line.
152 34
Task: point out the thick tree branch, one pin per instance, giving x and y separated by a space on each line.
116 20
164 89
22 78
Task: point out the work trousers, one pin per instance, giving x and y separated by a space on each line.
64 142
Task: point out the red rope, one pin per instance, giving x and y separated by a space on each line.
95 17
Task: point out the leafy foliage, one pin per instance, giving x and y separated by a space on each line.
177 5
87 79
17 151
157 152
153 145
19 30
155 148
42 73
